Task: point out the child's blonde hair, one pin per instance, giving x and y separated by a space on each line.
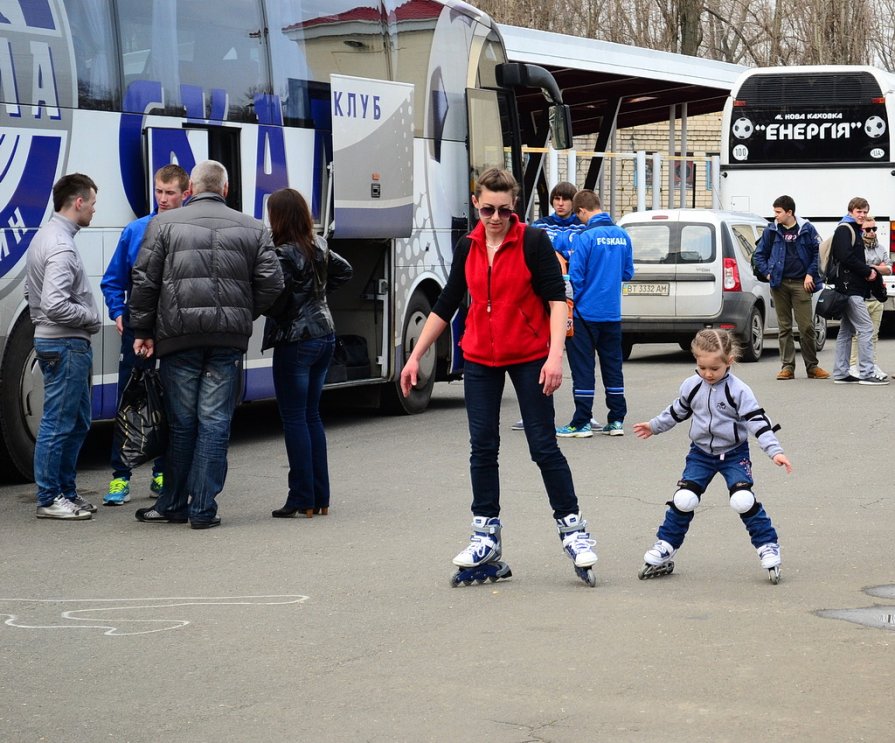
716 341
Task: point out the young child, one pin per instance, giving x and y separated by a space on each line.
722 412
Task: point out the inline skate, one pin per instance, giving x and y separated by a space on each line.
480 561
578 545
770 560
658 561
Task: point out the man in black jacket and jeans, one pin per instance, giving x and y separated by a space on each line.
854 279
203 274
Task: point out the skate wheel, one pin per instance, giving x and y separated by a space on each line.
643 573
774 575
589 578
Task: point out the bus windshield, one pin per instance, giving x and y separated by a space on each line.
809 117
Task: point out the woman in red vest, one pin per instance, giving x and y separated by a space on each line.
516 326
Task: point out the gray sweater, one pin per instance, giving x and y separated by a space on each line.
722 416
60 299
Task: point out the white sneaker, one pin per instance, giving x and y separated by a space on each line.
62 508
879 373
518 426
769 554
853 372
660 553
576 541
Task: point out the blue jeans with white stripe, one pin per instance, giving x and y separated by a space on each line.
603 339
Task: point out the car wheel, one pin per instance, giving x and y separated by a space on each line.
753 343
627 347
820 332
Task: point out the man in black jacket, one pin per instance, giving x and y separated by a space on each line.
855 279
203 274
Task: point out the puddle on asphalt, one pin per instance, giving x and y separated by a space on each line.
878 617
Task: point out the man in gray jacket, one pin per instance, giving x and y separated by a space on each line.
203 274
64 314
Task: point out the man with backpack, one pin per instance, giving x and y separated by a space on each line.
855 279
787 255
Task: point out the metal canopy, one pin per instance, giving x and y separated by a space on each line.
595 75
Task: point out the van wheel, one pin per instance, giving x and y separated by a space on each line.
21 403
627 347
753 343
820 332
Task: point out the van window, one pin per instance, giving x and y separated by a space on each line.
672 242
697 243
745 237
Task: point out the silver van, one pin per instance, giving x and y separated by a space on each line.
692 270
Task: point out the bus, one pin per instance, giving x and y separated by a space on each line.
382 112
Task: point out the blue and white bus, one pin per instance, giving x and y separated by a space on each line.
381 111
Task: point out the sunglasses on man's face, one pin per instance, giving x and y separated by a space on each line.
504 212
870 229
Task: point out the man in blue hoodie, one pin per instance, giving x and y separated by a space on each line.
171 190
787 254
601 259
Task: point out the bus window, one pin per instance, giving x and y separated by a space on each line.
189 46
94 41
309 41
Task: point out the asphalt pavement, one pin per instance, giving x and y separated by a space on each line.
345 628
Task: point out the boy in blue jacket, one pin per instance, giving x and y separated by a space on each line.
171 190
602 258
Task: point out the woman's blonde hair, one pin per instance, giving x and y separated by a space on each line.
721 342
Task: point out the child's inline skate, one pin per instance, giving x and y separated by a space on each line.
578 546
657 560
770 560
480 561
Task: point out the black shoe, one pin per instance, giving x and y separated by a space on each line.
874 381
216 521
284 513
151 516
847 380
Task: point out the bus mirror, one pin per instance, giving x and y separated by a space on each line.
519 75
561 126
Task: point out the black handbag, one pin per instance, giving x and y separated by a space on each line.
831 303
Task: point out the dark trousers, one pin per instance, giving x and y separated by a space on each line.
591 340
483 387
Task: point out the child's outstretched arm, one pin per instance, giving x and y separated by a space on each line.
781 461
643 430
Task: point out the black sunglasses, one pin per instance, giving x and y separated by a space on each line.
870 229
504 212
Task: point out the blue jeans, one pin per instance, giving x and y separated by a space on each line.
483 387
127 363
202 387
855 322
736 467
605 340
299 370
66 365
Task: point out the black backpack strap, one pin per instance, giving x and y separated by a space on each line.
530 240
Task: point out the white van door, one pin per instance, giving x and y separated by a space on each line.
677 270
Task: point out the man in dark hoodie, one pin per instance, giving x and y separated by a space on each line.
854 279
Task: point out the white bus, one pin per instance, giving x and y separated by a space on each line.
820 134
382 112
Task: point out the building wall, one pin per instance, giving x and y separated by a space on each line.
703 141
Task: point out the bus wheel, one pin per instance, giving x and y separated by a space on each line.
753 342
418 399
21 403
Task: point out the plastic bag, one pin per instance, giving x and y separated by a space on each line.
141 426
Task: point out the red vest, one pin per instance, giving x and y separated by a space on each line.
507 322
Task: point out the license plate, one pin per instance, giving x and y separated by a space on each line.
642 288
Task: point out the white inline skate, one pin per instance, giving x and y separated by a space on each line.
578 545
480 561
769 554
658 560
